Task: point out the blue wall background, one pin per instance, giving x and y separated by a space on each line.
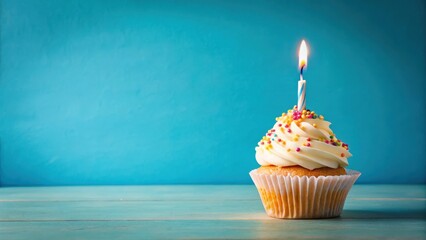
176 92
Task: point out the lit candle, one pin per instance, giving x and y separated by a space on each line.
303 62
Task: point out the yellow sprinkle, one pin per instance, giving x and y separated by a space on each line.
321 117
303 117
302 127
304 111
314 125
288 149
297 135
296 139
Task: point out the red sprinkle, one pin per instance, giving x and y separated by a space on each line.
279 125
269 142
273 130
261 143
308 144
342 155
308 139
297 149
269 134
326 141
289 130
286 126
279 139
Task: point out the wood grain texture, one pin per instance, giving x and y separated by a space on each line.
201 212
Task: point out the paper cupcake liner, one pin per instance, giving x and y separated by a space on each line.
303 197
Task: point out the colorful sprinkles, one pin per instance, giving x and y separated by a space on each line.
285 121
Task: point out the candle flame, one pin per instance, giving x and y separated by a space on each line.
303 55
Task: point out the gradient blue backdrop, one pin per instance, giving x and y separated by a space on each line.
159 92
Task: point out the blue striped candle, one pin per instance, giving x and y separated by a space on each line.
301 95
303 62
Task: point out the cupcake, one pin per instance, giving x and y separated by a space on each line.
302 170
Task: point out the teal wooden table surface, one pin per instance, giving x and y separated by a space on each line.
201 212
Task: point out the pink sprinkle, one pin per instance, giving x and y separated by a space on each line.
269 134
297 149
326 141
308 144
262 143
289 130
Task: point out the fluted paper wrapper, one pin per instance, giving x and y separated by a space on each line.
303 197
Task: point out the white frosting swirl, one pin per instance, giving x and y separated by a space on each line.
307 142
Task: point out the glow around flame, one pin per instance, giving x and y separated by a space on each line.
303 55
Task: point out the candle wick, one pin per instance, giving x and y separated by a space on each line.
301 72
